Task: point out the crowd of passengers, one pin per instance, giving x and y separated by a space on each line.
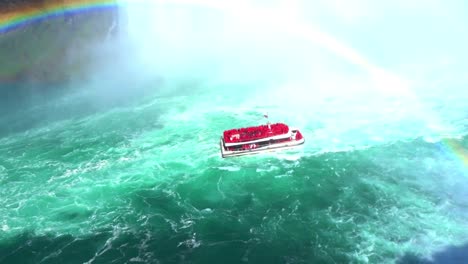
252 133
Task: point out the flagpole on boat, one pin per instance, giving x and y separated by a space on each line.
268 120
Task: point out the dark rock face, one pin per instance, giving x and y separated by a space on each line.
49 52
54 48
10 4
13 5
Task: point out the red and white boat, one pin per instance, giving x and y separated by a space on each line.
257 139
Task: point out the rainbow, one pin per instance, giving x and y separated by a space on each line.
456 149
30 13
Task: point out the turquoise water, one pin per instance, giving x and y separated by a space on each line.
125 167
142 181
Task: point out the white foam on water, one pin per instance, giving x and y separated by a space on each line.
230 168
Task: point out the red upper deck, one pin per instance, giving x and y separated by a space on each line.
254 133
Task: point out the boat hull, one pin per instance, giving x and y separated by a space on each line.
269 148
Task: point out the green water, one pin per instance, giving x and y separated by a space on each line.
143 182
123 164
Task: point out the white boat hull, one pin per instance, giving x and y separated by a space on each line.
269 148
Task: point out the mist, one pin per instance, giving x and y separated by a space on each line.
358 61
